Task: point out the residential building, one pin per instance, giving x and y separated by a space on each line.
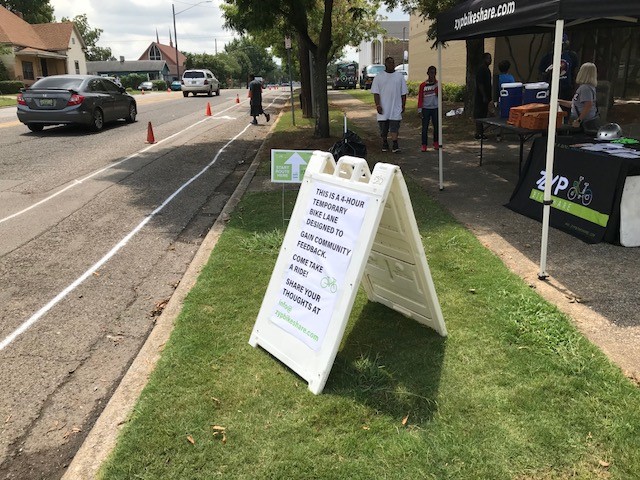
393 43
167 53
153 69
41 49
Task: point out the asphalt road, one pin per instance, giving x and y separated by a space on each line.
96 230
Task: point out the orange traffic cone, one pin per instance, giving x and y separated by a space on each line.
208 112
237 98
150 137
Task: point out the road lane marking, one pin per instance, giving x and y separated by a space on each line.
53 302
79 181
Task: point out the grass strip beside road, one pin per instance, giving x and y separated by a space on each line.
514 392
8 101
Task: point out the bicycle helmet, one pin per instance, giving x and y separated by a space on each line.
610 131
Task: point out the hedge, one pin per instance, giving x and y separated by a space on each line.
8 87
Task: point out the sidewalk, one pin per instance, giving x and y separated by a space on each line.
594 284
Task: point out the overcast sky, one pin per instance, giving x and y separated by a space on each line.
130 26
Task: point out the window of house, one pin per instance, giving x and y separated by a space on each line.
27 71
154 53
77 65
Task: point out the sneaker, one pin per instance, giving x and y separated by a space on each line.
423 148
395 148
254 122
268 116
385 146
436 146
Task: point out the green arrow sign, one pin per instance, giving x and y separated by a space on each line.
288 166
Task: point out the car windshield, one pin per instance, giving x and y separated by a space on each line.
62 83
193 75
375 69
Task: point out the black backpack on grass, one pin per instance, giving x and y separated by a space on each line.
351 145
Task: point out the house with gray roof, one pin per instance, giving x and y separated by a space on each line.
153 69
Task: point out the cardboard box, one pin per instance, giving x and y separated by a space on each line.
516 113
540 120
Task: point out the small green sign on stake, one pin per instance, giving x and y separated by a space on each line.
288 166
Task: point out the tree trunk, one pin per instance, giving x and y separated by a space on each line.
475 50
305 78
320 93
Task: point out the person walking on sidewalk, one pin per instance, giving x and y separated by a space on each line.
483 94
389 90
428 107
255 102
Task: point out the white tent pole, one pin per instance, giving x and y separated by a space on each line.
551 141
440 92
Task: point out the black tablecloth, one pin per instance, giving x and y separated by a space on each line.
586 190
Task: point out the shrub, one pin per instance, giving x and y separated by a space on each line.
132 80
8 87
4 72
159 85
452 92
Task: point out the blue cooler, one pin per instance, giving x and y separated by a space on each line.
510 96
536 93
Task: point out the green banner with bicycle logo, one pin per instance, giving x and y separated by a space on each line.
318 264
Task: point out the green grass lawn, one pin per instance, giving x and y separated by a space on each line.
514 391
7 101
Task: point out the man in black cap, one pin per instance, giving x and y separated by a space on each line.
568 68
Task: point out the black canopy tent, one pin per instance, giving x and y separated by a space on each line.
498 18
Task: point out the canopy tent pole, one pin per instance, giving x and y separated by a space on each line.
440 93
551 142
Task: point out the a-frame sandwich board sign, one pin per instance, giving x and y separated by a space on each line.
348 225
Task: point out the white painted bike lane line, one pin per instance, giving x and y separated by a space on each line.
53 302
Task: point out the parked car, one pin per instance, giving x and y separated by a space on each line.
199 81
74 99
176 85
146 86
368 74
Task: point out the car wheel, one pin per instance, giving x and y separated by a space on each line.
210 93
218 92
35 127
97 120
185 94
133 112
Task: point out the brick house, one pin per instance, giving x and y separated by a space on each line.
41 49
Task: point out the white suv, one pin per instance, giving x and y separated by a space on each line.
199 81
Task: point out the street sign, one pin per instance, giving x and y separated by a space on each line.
288 166
348 226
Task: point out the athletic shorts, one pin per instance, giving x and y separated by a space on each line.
387 126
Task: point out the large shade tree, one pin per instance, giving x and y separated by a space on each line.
90 37
32 11
311 23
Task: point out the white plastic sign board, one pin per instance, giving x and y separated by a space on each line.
288 166
348 225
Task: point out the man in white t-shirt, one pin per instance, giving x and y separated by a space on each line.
389 90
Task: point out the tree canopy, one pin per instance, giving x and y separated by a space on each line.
33 11
322 27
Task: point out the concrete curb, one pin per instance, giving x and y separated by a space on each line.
102 438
